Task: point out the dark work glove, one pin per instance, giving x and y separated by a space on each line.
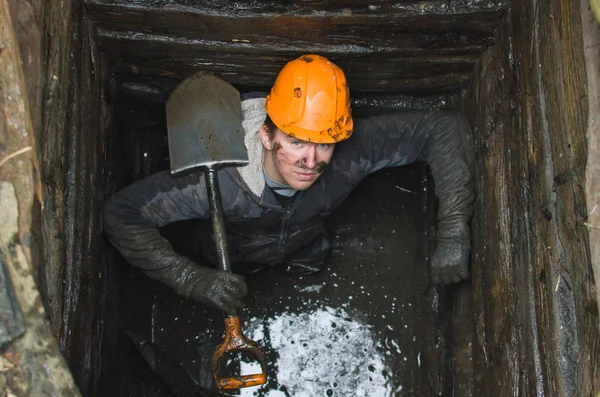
449 263
217 288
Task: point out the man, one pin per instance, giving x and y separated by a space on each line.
303 163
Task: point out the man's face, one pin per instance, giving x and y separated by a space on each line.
294 162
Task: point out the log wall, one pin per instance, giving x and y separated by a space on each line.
410 47
68 91
534 299
89 313
30 361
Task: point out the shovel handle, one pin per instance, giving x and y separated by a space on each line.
218 222
239 382
235 341
234 338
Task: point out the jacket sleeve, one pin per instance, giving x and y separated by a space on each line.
132 218
440 138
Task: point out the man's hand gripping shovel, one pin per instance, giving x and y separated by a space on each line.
204 121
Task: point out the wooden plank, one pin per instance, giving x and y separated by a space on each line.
347 6
556 144
439 70
409 86
391 30
531 122
123 44
28 23
497 340
270 64
152 44
591 47
52 156
32 364
436 69
90 322
591 36
354 69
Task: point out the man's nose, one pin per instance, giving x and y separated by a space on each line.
311 156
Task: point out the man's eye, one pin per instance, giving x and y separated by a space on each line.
296 143
324 146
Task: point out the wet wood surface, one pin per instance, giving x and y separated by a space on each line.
534 300
242 7
591 41
52 147
68 100
417 46
89 319
402 74
30 364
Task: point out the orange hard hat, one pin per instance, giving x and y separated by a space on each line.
310 100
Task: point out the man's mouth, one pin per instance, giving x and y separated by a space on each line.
307 176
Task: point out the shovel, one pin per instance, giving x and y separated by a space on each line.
204 122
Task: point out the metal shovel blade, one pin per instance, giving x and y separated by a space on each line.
204 121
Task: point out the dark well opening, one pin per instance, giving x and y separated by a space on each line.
527 323
369 324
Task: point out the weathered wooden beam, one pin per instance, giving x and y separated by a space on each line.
123 42
53 138
442 69
157 90
360 33
312 6
591 41
258 58
28 28
31 364
147 72
534 300
89 321
404 50
558 149
135 53
493 282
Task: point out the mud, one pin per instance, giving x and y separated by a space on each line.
321 165
276 148
358 328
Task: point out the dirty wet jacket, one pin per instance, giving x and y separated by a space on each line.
262 229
